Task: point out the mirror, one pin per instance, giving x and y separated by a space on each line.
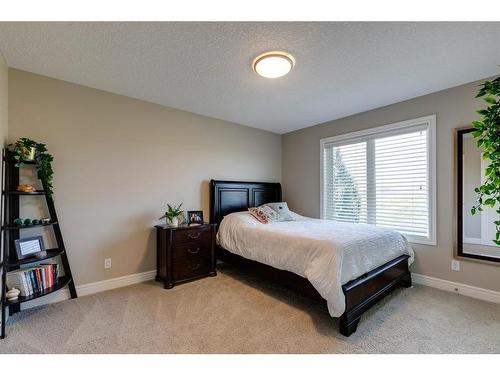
475 232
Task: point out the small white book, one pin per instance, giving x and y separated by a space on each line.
17 279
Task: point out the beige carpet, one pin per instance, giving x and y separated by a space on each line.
232 313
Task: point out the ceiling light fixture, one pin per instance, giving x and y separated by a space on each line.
273 64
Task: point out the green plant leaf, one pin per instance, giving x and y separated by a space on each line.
490 202
490 100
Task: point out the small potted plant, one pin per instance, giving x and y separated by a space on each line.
25 150
172 215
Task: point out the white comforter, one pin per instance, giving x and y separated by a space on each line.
328 253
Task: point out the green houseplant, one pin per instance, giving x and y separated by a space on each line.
172 214
26 149
487 135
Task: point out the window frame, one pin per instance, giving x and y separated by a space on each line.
392 129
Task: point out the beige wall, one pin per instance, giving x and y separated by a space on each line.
118 161
3 100
454 108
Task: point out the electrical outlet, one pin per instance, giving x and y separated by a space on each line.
107 263
455 265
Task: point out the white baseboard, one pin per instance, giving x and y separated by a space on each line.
463 289
92 288
101 286
118 282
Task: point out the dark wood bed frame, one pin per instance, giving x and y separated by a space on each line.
360 294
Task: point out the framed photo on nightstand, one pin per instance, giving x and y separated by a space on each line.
195 217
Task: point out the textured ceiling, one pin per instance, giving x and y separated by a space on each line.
342 68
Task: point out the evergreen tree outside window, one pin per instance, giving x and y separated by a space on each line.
345 192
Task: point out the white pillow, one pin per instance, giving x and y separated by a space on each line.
282 209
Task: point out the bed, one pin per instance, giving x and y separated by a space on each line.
349 271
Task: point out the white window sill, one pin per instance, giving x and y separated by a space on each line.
421 241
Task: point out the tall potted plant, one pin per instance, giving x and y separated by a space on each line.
487 134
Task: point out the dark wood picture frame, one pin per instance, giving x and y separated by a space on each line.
460 200
200 215
20 241
360 294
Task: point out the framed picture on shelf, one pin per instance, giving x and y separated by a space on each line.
30 247
195 217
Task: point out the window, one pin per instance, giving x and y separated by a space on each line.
383 176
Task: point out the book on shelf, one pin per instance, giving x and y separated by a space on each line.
34 279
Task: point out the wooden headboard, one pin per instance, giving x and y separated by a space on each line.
234 196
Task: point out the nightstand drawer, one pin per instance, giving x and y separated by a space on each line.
192 250
192 267
201 235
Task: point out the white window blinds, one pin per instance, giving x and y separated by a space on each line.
383 176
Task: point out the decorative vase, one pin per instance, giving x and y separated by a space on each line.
173 222
12 294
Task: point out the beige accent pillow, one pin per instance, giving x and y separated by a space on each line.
264 214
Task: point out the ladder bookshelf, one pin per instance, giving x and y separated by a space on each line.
10 232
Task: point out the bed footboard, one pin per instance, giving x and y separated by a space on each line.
367 290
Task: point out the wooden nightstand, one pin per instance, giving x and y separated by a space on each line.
184 253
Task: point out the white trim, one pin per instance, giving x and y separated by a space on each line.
433 179
118 282
462 289
380 129
432 175
92 288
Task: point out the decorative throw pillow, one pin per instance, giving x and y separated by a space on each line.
282 209
264 214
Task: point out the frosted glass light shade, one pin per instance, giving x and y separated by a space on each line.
273 64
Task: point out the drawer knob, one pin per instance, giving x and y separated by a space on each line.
194 251
195 267
194 236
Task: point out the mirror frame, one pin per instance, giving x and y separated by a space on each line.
460 200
